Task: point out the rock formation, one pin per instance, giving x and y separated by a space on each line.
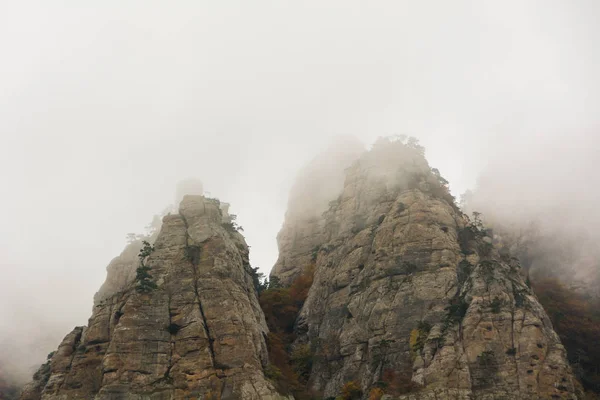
317 184
411 299
195 331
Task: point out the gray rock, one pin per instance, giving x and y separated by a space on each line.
199 334
408 294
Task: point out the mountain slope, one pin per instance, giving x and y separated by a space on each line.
411 299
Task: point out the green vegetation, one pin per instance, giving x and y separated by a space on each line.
151 230
496 305
471 237
486 358
418 336
232 226
457 309
273 373
463 271
302 359
315 253
144 281
487 270
259 280
519 297
455 312
442 181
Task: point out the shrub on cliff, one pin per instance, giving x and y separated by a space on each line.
144 281
232 226
351 391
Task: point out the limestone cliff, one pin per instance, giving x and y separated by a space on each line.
318 183
411 299
199 333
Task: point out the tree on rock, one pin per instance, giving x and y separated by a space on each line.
145 281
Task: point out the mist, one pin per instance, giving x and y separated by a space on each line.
105 107
545 192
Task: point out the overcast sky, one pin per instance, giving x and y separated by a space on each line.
105 106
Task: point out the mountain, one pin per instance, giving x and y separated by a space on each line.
383 289
182 320
315 186
410 298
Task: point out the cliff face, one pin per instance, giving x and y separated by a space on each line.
199 334
317 184
411 299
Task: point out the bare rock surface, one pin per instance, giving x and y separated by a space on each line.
410 296
410 300
316 185
200 334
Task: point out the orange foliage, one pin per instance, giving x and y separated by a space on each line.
376 394
576 319
301 285
398 382
281 307
351 391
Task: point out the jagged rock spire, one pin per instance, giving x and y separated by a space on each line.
199 333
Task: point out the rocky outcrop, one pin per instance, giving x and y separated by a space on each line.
199 334
120 272
410 297
409 300
316 185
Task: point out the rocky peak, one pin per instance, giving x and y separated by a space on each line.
184 324
411 300
405 298
316 184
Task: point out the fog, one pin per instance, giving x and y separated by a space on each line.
104 107
549 199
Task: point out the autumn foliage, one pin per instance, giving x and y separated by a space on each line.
376 394
576 319
289 368
351 391
398 382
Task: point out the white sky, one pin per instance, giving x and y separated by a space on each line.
104 106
